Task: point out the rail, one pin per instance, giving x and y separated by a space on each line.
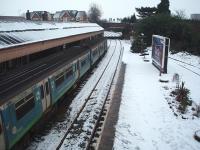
90 98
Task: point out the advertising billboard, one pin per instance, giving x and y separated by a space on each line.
160 48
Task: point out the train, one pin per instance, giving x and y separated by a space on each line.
20 113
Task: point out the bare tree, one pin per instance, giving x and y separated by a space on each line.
94 13
180 14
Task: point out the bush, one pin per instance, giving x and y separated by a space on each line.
182 33
182 96
138 45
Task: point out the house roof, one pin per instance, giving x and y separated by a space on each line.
81 14
59 14
38 13
63 12
72 13
33 14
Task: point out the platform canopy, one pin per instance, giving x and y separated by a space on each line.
26 32
18 39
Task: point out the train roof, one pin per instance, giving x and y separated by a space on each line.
14 33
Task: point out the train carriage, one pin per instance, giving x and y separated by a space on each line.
21 112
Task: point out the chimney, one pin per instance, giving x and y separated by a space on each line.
28 15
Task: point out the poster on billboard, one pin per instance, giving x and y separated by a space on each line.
160 48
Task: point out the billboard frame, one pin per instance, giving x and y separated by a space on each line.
160 50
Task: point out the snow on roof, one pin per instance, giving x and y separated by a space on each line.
57 15
23 32
81 14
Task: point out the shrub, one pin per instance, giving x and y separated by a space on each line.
182 96
138 45
183 33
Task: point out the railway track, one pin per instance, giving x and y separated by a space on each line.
184 63
94 104
187 66
86 108
98 130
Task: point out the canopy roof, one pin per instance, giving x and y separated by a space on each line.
24 32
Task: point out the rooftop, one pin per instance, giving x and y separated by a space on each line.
14 33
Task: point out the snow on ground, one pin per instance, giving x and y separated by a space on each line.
186 57
145 120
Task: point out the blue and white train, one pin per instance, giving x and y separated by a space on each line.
20 113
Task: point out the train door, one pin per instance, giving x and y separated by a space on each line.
2 140
46 100
44 91
47 93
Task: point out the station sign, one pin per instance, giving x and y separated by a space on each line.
160 49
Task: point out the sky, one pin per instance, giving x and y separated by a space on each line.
110 8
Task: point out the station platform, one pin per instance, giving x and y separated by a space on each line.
108 135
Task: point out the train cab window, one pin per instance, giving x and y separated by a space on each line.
69 72
42 91
47 87
59 79
23 106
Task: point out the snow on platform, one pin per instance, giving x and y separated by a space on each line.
24 32
145 120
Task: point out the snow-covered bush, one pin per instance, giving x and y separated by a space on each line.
182 96
138 45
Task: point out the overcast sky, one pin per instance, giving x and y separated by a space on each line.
110 8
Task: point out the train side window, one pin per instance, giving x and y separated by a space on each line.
83 62
25 105
69 72
42 91
47 87
59 79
